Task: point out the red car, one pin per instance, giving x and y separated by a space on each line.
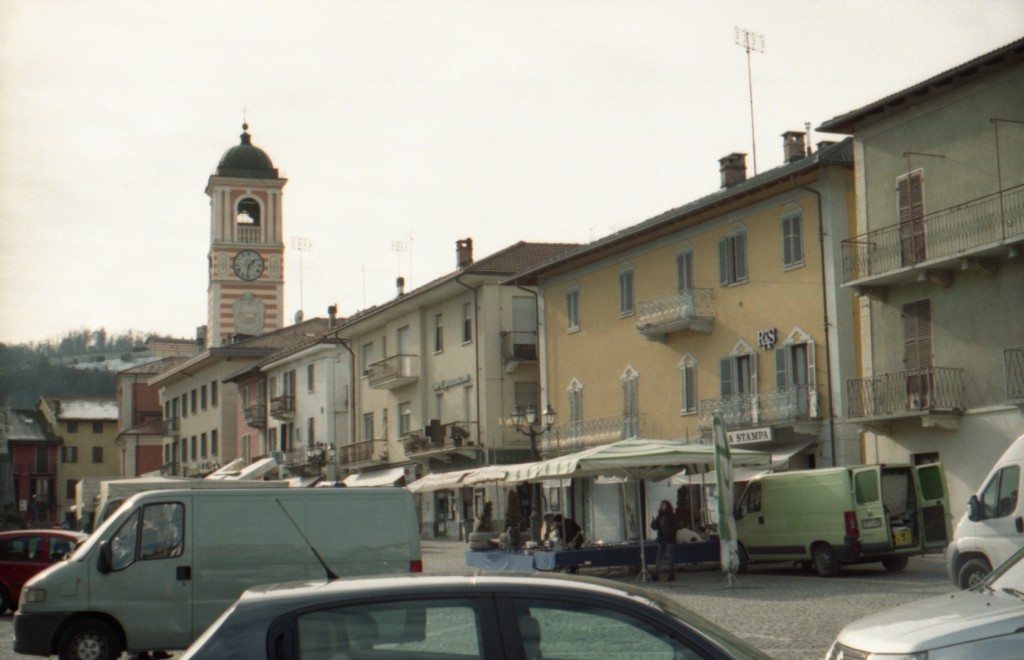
24 553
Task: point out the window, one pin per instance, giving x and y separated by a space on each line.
439 406
751 501
688 385
162 531
288 383
72 427
69 489
626 302
97 454
575 393
865 486
367 358
732 259
184 405
214 451
684 271
404 418
311 431
202 445
438 333
738 374
213 393
565 629
193 399
795 376
272 439
999 498
368 426
195 448
97 427
202 397
572 309
69 454
467 323
792 241
311 378
444 627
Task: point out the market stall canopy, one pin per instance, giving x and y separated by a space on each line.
779 460
386 477
635 458
459 478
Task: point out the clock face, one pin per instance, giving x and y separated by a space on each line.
248 265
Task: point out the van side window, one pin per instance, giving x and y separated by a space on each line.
751 502
122 544
999 499
162 530
865 487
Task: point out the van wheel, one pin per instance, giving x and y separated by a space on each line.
824 560
895 563
88 640
5 601
972 572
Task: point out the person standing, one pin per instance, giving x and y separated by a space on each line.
666 525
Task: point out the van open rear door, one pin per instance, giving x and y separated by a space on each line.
934 516
867 501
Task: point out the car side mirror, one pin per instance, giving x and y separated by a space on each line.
104 561
974 509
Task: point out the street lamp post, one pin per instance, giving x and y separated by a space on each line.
526 424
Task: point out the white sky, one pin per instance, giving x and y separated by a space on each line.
420 122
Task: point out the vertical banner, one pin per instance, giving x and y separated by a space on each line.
729 548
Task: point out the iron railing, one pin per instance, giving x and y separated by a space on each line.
948 233
939 389
256 415
586 433
1013 361
365 451
453 435
786 405
678 311
283 407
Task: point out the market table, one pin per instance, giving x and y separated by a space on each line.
605 555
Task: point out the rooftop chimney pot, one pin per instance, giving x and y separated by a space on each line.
733 168
794 146
464 252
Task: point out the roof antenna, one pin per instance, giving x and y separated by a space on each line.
331 575
750 41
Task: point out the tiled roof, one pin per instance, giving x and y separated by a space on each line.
1009 54
27 425
155 367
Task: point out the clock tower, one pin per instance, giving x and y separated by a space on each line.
246 259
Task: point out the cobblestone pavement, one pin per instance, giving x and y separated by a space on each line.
787 613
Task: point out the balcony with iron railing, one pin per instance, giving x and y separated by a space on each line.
518 346
786 405
453 436
587 433
394 371
364 452
256 415
170 427
684 311
283 407
978 229
1013 361
903 394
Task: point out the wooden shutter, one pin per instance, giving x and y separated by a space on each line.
740 255
725 376
917 335
781 367
723 262
910 205
684 272
792 240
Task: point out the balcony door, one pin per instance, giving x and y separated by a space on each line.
524 328
910 201
917 354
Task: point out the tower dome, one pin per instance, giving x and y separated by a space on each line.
246 161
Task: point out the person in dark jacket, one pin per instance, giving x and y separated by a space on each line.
570 532
666 525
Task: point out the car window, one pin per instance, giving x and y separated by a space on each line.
162 530
22 548
439 628
122 544
751 502
999 499
865 485
60 547
570 630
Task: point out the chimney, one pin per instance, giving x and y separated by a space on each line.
733 168
332 315
400 287
793 146
464 253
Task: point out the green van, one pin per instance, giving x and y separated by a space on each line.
846 515
168 563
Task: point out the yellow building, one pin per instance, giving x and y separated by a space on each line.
728 304
88 429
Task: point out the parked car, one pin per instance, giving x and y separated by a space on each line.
992 529
24 553
986 621
507 616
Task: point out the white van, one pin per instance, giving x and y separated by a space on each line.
992 529
167 563
845 515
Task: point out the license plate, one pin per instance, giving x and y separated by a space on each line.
901 537
871 523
